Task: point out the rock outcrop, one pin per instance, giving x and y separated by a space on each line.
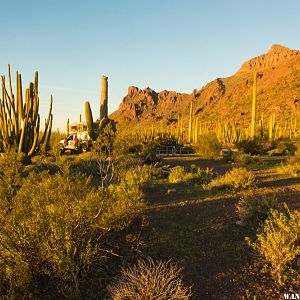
224 98
275 56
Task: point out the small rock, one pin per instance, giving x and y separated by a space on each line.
171 191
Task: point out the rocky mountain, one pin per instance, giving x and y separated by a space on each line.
278 91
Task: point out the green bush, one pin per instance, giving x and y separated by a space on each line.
124 163
147 151
125 144
56 230
52 168
277 243
208 146
197 175
177 174
150 280
254 207
250 146
282 147
236 179
288 169
142 175
244 158
167 140
10 179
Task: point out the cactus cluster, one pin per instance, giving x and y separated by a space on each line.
190 129
95 128
20 120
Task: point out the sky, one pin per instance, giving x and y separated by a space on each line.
164 44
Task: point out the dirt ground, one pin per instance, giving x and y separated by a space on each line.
198 230
219 166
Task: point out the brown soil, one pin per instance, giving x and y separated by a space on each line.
198 230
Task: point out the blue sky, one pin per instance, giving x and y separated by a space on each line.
167 44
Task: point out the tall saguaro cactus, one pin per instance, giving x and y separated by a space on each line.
104 98
89 118
253 111
95 128
20 122
190 123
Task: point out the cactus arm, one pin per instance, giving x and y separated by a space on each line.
47 122
22 136
12 96
11 110
47 144
20 97
36 138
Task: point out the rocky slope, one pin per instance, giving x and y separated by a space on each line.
278 91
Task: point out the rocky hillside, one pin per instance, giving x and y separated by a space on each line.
278 91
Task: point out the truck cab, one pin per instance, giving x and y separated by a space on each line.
78 139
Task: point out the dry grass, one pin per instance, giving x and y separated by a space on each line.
150 280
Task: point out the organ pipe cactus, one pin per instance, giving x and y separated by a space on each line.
20 120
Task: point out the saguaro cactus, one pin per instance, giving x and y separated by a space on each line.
253 111
190 123
272 124
20 123
89 118
104 98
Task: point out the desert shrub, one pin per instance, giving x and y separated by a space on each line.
208 146
41 167
142 175
197 175
147 151
282 147
10 178
167 140
277 243
254 207
56 230
124 163
55 138
250 146
88 167
176 174
288 169
245 158
150 280
236 179
125 144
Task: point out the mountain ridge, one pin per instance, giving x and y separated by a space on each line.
227 98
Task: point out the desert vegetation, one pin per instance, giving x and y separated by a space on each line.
193 210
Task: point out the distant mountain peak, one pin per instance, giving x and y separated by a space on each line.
276 48
275 56
227 98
